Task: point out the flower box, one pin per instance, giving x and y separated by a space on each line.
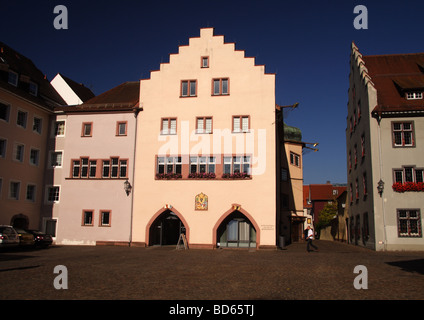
168 176
202 175
236 175
408 186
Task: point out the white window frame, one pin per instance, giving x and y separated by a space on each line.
17 195
416 95
56 194
33 198
9 80
55 123
51 154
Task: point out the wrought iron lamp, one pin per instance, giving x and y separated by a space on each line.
127 187
380 187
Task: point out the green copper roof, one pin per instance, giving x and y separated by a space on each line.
292 133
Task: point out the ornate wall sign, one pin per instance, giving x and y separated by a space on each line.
201 202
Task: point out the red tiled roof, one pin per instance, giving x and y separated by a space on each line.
392 76
324 191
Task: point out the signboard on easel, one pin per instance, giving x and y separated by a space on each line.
182 239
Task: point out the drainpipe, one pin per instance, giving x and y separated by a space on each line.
381 174
136 112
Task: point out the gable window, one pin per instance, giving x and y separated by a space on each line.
414 95
204 125
121 128
188 88
220 87
205 62
409 223
168 126
87 128
403 134
21 120
241 123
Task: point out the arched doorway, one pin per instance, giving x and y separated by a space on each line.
236 231
20 221
166 229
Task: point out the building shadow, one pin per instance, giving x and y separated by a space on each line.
409 265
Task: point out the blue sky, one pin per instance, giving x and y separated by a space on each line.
306 43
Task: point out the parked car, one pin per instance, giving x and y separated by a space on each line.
25 238
8 236
41 239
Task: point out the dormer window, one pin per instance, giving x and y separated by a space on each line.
414 95
13 78
33 88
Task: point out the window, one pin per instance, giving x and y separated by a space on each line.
76 166
14 190
356 190
19 152
355 155
121 128
3 145
203 125
188 88
56 159
87 217
4 112
21 120
364 183
409 222
403 134
241 123
168 126
205 62
106 168
33 88
34 157
237 164
37 125
114 167
30 194
13 78
202 164
363 146
294 159
84 167
87 128
408 174
53 194
414 95
169 165
59 128
93 167
105 218
220 87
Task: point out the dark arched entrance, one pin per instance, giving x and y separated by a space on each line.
166 229
20 221
236 231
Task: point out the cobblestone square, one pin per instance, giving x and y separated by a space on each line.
163 273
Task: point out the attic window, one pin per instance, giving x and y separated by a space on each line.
414 95
13 78
33 88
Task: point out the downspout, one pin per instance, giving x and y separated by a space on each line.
136 112
381 174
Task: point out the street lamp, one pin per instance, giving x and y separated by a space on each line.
127 187
380 187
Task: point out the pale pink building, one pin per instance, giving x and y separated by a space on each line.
206 150
90 160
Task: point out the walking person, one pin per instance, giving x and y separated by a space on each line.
309 237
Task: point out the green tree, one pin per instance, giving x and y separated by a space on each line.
327 214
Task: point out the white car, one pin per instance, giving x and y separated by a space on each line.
8 236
